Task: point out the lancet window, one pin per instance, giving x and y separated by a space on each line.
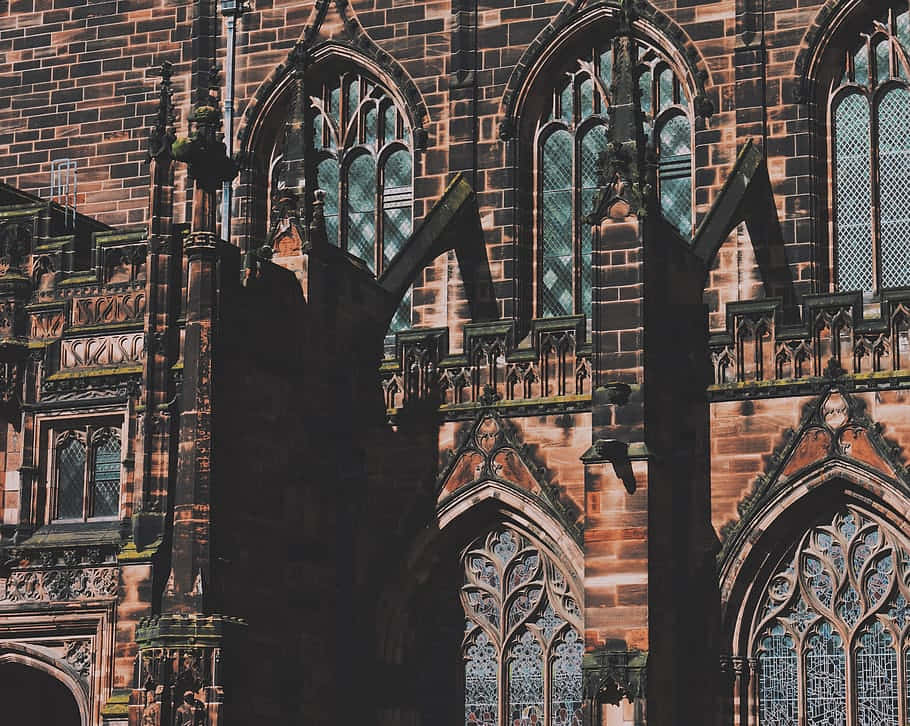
523 643
832 641
569 140
870 122
86 468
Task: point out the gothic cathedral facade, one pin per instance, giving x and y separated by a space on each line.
479 362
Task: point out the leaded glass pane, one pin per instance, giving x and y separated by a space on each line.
335 104
106 479
361 209
644 84
903 29
777 687
557 226
665 88
353 96
606 67
876 678
396 203
565 699
882 61
675 175
389 124
861 66
370 125
526 599
894 172
866 616
526 681
480 692
566 104
826 695
853 194
71 479
402 318
586 93
327 180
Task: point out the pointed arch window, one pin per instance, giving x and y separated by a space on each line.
831 641
366 170
87 465
364 164
870 123
569 139
522 645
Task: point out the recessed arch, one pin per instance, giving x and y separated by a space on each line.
652 27
27 656
770 530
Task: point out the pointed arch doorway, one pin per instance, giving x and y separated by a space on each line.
31 696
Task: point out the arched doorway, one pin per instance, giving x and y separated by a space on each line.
30 696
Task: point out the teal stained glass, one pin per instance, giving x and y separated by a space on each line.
586 93
861 66
106 478
665 88
882 61
327 180
675 173
853 193
397 200
71 479
557 226
644 84
361 209
894 173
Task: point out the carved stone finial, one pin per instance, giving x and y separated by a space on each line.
162 134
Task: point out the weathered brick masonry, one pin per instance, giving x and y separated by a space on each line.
237 490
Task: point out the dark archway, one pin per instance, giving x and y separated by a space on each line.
30 696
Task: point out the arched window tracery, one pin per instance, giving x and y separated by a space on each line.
831 641
870 123
569 139
522 645
363 161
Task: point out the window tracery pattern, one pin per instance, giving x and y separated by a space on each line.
870 121
832 639
364 164
569 140
522 636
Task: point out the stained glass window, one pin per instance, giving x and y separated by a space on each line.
522 646
839 608
70 477
872 101
570 138
106 476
